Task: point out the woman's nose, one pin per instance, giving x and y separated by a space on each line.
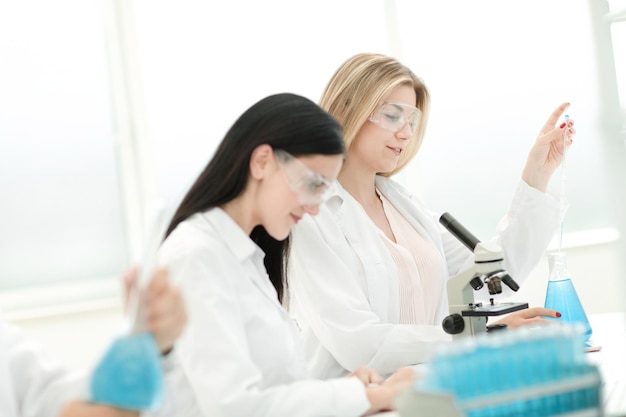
313 209
405 132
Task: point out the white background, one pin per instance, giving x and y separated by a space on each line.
495 70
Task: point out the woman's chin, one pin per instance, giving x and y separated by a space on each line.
279 235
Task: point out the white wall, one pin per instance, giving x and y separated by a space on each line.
194 89
596 274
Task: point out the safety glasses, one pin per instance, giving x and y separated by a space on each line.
394 116
310 187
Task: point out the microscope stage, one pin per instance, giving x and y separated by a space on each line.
494 310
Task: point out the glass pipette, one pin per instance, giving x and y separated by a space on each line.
562 201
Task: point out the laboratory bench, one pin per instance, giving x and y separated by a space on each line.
609 334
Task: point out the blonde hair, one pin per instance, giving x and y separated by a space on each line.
357 88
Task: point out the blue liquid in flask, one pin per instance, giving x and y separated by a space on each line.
561 294
129 375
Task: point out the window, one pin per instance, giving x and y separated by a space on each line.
61 213
215 61
494 82
103 110
106 105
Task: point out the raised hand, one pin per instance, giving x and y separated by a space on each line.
547 152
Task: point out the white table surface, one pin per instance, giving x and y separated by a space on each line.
609 332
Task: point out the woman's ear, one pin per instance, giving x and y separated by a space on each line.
262 157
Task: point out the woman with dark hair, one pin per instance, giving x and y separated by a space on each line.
227 248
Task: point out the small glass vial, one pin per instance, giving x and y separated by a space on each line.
561 294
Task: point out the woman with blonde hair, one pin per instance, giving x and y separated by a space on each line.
368 274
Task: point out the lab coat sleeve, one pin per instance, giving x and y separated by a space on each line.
41 387
527 229
329 296
524 234
214 356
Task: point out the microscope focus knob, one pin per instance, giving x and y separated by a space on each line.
453 324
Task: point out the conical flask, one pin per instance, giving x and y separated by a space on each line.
561 294
129 375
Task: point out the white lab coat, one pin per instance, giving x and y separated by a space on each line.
240 349
344 284
31 385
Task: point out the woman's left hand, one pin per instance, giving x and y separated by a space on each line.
162 307
166 314
367 375
528 316
547 153
84 409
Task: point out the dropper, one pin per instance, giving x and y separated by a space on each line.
562 201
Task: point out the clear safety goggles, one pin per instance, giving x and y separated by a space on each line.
310 187
394 116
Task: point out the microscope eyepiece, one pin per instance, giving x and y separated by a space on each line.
459 231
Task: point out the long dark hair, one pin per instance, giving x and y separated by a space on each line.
283 121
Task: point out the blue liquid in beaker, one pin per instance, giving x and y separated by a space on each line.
129 375
562 297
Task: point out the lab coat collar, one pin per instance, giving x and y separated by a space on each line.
380 269
405 202
232 234
337 197
243 248
402 200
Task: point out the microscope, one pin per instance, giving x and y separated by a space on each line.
468 317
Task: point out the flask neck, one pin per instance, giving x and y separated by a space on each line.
558 266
